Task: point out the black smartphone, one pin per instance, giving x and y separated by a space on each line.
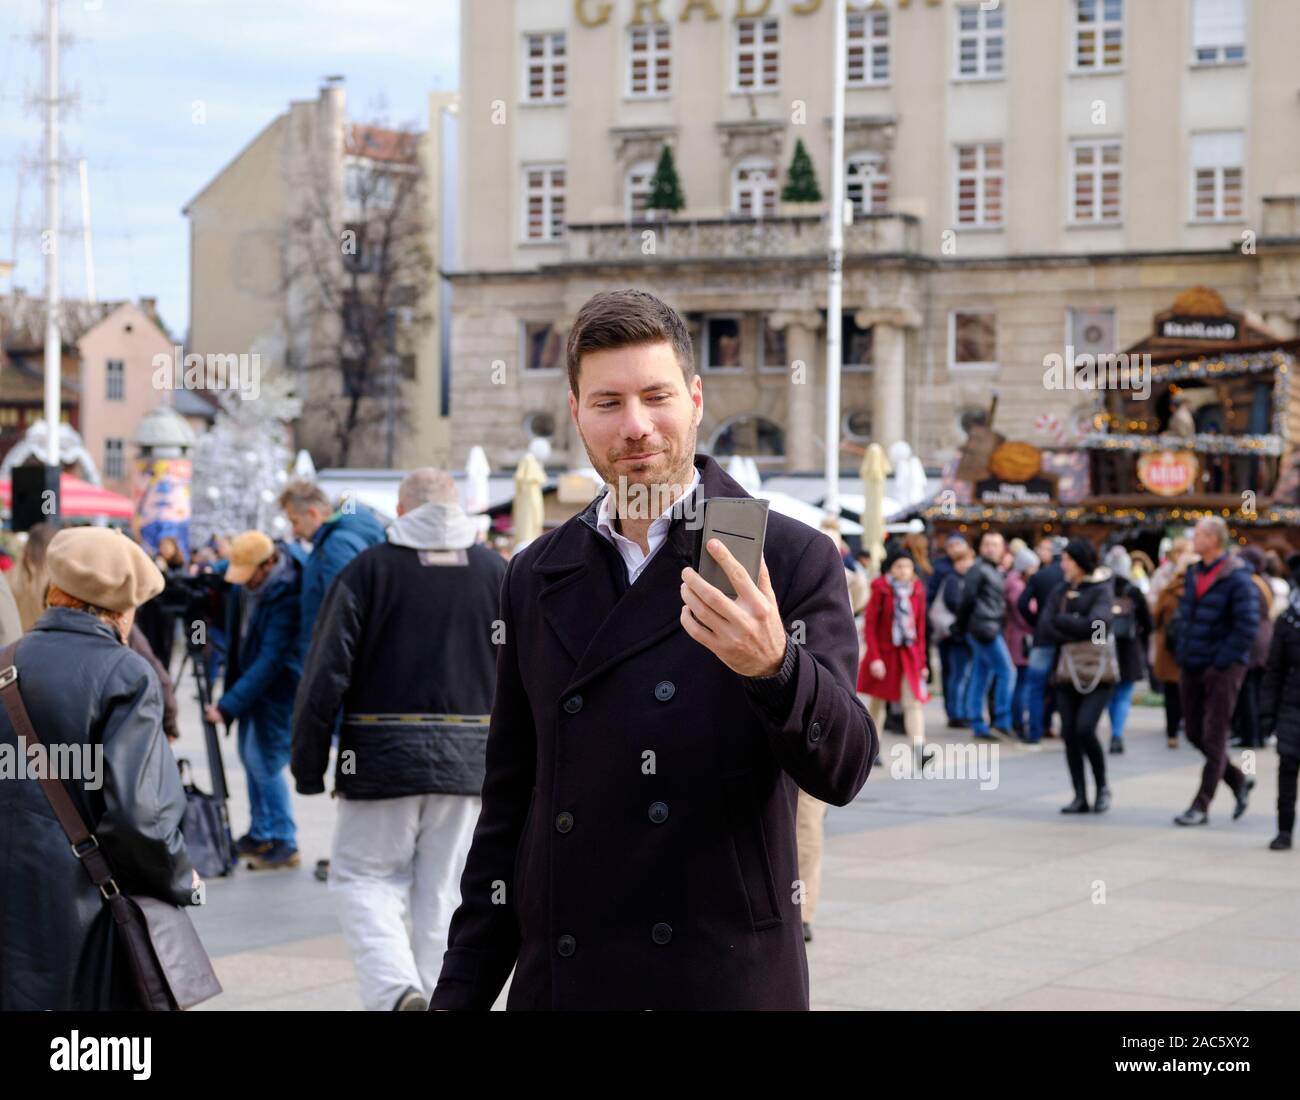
740 523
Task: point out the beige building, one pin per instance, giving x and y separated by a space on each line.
1037 175
262 231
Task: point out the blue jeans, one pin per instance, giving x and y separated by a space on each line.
1042 658
1120 702
990 660
954 660
1018 697
264 752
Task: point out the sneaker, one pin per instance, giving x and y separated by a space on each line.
1192 816
1116 746
958 724
280 854
411 1001
1002 733
1243 799
249 845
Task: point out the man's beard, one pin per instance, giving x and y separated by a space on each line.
659 481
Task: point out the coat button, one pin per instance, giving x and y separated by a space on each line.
566 945
661 933
573 704
664 690
564 821
815 732
658 812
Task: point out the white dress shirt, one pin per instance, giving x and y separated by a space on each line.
633 558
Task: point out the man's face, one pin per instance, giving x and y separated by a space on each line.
1205 541
1044 549
306 521
992 547
636 416
260 574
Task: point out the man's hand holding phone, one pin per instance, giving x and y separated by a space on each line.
745 634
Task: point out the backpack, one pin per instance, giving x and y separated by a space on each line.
941 615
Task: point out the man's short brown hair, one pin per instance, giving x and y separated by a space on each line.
624 319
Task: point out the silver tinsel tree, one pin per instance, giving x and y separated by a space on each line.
242 463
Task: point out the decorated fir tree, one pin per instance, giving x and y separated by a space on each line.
801 180
665 187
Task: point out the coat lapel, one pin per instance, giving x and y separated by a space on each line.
599 622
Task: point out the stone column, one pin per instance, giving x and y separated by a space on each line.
889 379
801 409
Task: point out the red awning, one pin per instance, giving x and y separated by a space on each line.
80 500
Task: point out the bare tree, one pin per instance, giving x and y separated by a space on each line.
356 269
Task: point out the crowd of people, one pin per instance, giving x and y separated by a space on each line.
1036 643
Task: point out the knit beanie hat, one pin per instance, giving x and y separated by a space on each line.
1083 553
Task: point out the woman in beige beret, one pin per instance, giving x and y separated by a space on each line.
98 704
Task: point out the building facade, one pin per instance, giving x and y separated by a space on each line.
1025 177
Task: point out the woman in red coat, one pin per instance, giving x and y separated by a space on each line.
894 669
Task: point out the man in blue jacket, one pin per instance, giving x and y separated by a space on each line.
263 666
1218 614
336 538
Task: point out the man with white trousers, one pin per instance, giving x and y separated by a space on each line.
405 649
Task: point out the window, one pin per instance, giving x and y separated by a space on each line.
1091 331
544 203
979 184
752 436
1218 31
857 425
867 183
650 60
636 190
753 188
1095 179
114 459
546 68
366 183
855 344
1098 34
722 344
1218 175
116 375
772 351
543 346
980 41
868 48
972 340
756 55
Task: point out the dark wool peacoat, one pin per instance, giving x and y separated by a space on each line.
636 847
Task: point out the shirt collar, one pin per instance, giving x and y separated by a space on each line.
605 512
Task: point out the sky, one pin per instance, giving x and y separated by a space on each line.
137 68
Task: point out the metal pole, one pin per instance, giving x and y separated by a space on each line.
835 270
85 231
53 338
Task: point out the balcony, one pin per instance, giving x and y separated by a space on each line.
800 236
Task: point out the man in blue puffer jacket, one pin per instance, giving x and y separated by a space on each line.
1219 614
336 537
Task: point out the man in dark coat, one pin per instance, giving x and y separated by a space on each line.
1219 614
981 617
1042 657
86 691
405 652
636 848
1280 713
263 665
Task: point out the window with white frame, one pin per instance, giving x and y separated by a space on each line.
114 459
1095 179
543 345
1098 34
756 55
722 343
981 41
1218 31
636 190
866 181
649 60
979 184
972 339
1218 175
544 202
753 188
546 67
868 48
115 374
